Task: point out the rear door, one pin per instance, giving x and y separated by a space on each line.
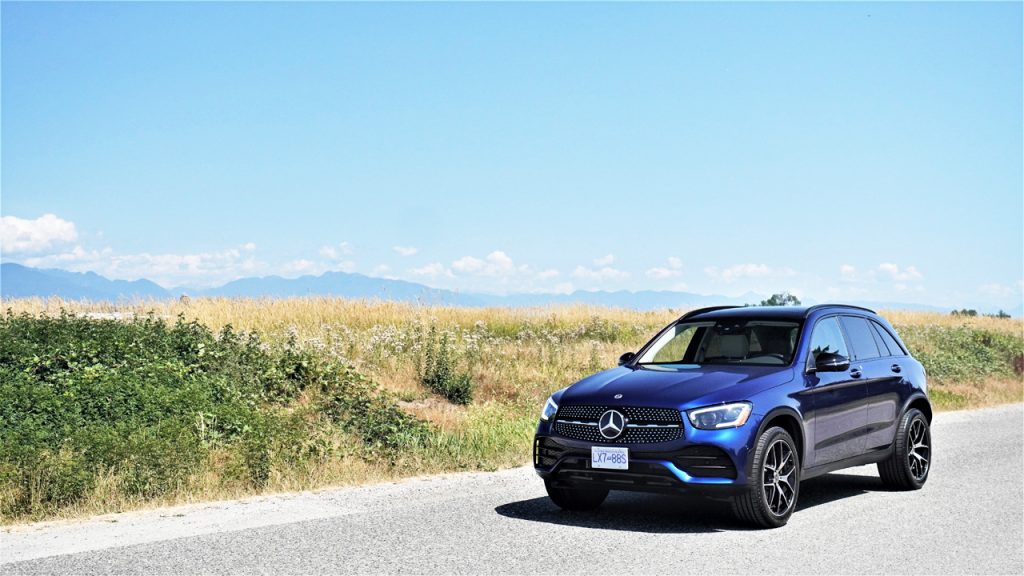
839 399
888 388
867 360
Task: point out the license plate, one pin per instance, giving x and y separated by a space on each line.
609 458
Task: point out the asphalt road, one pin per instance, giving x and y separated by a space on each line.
967 519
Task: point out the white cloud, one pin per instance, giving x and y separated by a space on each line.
249 246
495 264
607 260
468 265
738 271
432 270
563 288
198 269
658 273
380 270
19 235
405 250
996 290
895 273
848 273
336 252
673 270
548 274
499 263
606 273
300 266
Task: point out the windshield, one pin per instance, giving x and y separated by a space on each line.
728 341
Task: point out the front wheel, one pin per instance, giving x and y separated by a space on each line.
770 498
577 499
907 468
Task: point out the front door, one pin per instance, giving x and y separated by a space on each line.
839 399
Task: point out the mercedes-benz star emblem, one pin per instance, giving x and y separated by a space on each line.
611 424
618 396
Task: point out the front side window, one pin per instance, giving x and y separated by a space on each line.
827 337
728 341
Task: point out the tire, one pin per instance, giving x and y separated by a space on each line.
770 497
908 467
576 499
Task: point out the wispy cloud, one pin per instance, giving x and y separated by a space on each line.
886 271
738 271
606 260
599 274
432 270
197 269
674 270
894 272
405 250
337 251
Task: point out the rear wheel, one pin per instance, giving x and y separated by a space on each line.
774 484
907 468
574 498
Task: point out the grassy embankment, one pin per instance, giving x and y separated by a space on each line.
104 415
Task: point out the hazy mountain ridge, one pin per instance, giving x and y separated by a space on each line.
19 281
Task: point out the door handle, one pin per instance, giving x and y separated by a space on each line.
896 368
855 372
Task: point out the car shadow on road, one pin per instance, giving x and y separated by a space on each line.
832 487
661 513
633 512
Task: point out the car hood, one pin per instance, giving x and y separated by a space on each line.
682 387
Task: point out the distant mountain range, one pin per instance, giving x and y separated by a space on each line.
18 281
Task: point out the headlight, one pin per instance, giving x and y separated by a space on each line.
724 416
549 410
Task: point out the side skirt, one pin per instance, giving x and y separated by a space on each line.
876 455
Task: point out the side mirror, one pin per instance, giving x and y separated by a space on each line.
831 362
626 358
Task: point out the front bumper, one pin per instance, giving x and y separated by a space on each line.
712 462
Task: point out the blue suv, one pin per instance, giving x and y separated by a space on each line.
741 403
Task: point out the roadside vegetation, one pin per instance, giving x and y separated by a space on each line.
106 407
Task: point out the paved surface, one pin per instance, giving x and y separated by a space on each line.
967 519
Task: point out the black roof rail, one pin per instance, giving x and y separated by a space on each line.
693 313
820 306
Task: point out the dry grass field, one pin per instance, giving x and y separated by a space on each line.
516 356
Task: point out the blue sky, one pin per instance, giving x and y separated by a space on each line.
857 151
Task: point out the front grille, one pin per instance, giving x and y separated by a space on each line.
705 462
632 413
643 425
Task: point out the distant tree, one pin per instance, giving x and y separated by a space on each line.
971 313
781 299
1001 315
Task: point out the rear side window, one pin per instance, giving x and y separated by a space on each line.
827 337
894 347
861 338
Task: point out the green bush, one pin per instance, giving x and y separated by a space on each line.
440 372
148 400
963 353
